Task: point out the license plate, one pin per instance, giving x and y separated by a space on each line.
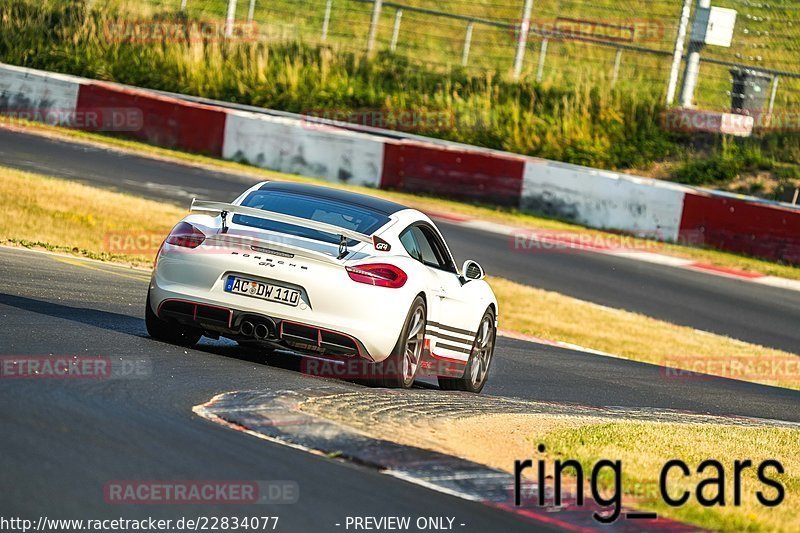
264 291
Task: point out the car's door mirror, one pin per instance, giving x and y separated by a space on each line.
472 270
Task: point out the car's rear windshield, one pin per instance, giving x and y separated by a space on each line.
343 215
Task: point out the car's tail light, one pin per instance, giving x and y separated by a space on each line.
378 274
186 235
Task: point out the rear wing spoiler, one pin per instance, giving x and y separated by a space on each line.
224 210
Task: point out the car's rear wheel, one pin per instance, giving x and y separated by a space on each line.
480 359
170 332
400 368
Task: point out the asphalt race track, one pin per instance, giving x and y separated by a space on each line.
64 439
750 312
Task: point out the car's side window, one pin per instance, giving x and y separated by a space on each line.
429 255
439 249
410 244
424 245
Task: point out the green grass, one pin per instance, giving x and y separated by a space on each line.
761 37
726 164
580 120
644 447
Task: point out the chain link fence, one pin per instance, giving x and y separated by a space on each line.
604 41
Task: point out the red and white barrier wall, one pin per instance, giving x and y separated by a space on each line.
303 148
603 199
39 95
742 224
453 172
591 197
161 120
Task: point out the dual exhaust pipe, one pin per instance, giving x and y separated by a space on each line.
259 330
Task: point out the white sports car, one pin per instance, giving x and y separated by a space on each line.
346 279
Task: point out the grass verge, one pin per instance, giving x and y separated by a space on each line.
551 315
643 447
429 204
70 217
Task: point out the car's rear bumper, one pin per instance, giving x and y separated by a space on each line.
331 303
227 322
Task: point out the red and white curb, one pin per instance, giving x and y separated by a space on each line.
277 417
554 240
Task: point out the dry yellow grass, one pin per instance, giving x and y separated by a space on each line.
551 315
642 446
71 217
495 214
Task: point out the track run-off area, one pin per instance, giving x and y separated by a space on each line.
71 437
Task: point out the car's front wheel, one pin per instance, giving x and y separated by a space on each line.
400 369
480 359
170 332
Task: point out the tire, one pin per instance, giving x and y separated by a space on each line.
170 332
480 359
399 369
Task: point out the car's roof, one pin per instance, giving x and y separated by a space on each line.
378 205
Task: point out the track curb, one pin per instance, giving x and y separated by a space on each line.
276 416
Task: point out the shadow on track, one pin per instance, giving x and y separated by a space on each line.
135 326
92 317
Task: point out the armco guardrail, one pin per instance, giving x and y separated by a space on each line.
385 159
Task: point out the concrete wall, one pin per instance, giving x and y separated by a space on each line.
587 196
46 97
488 177
602 199
296 147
